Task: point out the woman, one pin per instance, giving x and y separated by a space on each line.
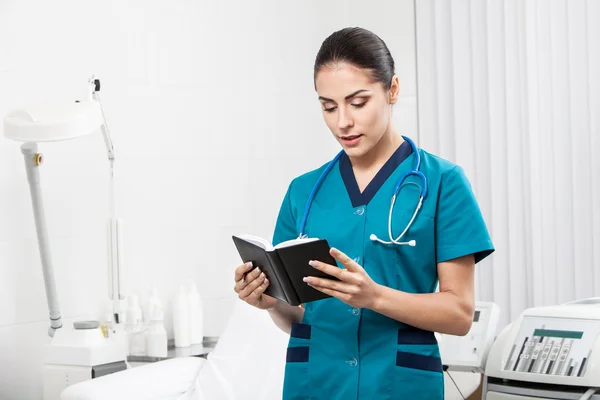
373 338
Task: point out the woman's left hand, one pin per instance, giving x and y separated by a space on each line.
355 287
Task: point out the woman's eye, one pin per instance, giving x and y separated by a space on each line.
328 109
359 105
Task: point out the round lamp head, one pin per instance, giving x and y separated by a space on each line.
52 122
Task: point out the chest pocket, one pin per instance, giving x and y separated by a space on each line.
415 268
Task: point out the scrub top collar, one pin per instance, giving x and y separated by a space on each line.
361 199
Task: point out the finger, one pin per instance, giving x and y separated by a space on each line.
333 293
346 261
242 270
324 283
250 287
254 297
247 279
329 269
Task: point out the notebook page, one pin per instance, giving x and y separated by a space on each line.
294 242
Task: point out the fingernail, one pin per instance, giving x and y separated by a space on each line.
310 263
266 281
249 264
262 275
307 280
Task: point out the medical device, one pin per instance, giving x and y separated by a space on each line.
422 194
469 353
83 351
547 352
80 354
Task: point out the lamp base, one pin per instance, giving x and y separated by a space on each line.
78 354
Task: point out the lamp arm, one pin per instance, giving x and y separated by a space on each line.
114 225
32 162
95 88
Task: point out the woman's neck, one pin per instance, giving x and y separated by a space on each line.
380 153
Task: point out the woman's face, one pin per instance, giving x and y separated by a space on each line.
356 109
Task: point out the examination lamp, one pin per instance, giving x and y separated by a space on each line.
53 122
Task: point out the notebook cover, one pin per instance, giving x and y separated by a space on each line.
284 280
296 258
259 257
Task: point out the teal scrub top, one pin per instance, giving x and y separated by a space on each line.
341 352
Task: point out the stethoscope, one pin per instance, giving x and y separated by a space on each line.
422 194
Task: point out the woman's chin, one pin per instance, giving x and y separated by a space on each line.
356 151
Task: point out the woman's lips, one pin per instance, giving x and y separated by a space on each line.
351 140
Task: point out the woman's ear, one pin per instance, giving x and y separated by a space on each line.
394 91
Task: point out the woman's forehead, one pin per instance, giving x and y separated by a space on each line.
341 79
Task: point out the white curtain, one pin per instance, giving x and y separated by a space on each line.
510 90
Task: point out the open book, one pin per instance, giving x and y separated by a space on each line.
286 264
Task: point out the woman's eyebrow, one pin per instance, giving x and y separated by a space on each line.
347 97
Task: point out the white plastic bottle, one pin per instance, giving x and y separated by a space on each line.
181 319
134 327
196 314
156 334
152 301
133 311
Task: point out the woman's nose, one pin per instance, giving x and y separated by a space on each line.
344 120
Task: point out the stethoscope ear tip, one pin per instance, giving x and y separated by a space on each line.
373 237
412 243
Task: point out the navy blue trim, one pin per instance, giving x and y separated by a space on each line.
360 199
349 179
300 331
418 361
416 336
297 354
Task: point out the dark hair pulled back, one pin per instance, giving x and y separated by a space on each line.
361 48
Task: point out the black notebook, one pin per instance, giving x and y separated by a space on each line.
286 264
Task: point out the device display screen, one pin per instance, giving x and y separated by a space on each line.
558 333
476 316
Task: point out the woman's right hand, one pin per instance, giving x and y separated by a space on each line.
250 285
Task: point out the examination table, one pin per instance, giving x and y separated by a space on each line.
247 364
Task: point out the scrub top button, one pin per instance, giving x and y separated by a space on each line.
359 211
355 311
352 362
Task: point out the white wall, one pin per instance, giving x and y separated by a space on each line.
202 98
